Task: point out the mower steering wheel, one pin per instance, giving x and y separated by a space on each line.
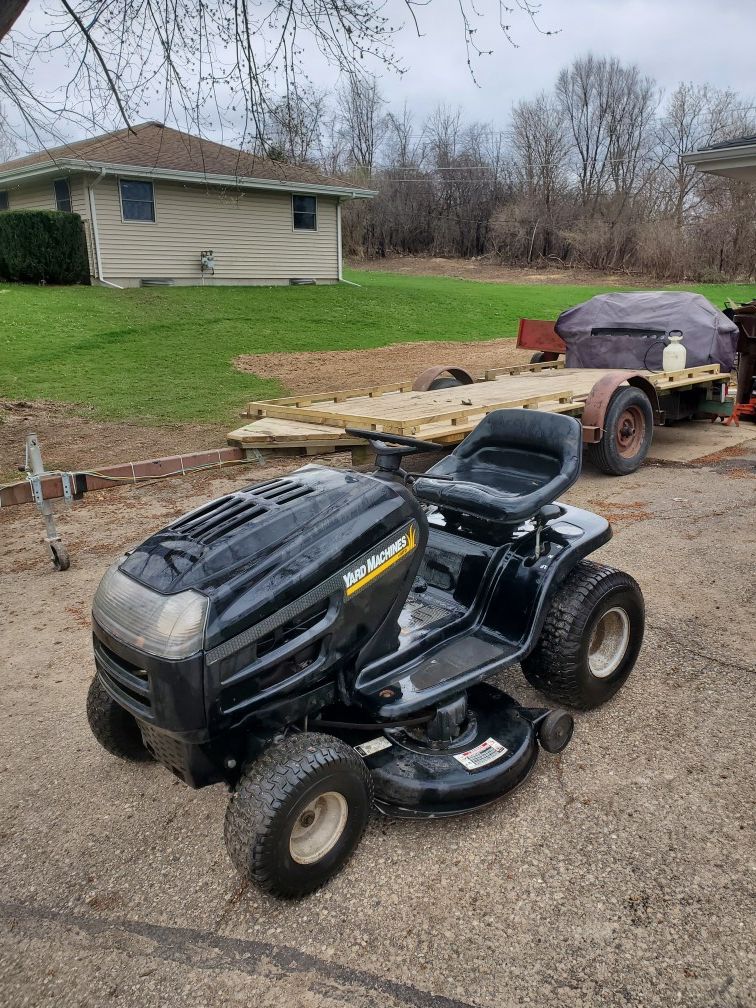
378 438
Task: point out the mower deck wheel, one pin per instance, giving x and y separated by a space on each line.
298 813
113 727
590 639
555 731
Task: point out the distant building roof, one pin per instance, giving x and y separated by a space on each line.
733 159
740 142
161 151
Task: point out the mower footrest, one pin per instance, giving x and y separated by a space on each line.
469 659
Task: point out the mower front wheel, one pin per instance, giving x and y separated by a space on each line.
298 813
113 727
590 639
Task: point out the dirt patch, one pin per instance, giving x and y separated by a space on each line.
72 441
734 451
324 371
740 473
488 269
619 513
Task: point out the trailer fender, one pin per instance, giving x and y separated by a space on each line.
597 403
426 378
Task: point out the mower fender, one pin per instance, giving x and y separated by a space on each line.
526 586
597 403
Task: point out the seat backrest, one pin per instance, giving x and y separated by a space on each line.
514 461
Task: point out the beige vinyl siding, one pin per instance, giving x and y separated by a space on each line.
40 195
250 232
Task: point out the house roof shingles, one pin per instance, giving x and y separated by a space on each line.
153 145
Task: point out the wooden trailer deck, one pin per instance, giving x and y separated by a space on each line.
316 422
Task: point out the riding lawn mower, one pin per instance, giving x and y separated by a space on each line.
323 643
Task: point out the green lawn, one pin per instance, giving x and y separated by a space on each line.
166 353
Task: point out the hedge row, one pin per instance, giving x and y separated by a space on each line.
42 246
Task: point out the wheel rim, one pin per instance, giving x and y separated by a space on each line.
630 431
608 643
318 827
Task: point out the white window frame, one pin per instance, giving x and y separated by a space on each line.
300 230
132 220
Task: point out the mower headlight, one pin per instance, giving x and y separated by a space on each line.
167 626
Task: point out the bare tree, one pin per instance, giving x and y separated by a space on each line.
363 121
696 116
540 146
7 144
198 60
608 108
294 126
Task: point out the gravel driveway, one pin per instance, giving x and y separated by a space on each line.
620 874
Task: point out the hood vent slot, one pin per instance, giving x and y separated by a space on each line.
213 521
279 491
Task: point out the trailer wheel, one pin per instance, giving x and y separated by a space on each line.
114 728
628 429
298 813
590 639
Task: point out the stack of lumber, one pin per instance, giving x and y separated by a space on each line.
317 421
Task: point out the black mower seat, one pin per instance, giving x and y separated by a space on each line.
513 463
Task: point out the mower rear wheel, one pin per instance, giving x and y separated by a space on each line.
298 813
590 639
113 727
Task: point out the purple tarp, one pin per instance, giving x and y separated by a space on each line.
709 337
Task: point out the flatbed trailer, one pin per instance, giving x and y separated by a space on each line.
317 422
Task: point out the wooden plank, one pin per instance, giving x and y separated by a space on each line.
491 373
335 397
273 430
454 417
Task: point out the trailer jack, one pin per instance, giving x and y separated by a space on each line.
35 471
42 486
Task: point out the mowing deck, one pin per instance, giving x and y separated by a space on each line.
317 422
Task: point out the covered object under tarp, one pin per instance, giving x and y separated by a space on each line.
631 331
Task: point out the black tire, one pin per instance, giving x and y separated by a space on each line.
538 357
114 728
441 383
272 799
555 731
628 429
561 665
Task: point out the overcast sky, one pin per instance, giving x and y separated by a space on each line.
672 40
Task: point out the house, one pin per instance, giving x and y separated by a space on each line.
735 159
163 206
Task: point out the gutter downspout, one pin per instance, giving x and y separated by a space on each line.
338 240
95 235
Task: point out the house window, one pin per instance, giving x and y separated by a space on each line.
3 199
137 200
305 213
62 195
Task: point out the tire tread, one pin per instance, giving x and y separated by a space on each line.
265 788
553 665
